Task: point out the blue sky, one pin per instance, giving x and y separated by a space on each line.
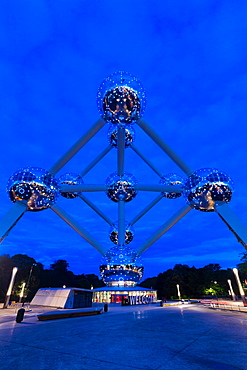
191 59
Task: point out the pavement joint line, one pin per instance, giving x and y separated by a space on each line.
192 342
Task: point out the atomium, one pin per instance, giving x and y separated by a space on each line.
113 135
34 185
121 187
70 179
129 233
121 266
171 179
208 188
121 102
121 98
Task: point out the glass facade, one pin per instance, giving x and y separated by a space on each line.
35 185
116 296
121 266
208 188
121 98
121 187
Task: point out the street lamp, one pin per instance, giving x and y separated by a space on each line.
28 281
22 292
231 290
241 291
9 291
179 294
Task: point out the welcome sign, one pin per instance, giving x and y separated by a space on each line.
143 299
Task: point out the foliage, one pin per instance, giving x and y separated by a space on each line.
35 276
242 267
193 282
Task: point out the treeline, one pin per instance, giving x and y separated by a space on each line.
35 276
209 280
193 282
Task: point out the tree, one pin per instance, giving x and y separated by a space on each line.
60 266
6 266
213 266
242 267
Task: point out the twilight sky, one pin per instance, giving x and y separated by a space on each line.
191 59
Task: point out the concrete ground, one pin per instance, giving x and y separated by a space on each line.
126 338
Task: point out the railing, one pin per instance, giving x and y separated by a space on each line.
228 307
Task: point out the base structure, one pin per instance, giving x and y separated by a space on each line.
135 295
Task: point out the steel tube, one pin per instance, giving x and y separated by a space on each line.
78 228
120 150
96 209
233 223
121 222
95 161
146 160
166 148
161 188
164 228
11 218
81 187
146 209
77 146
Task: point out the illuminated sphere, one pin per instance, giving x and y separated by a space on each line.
171 179
121 266
70 179
208 188
129 233
35 185
121 187
113 133
121 98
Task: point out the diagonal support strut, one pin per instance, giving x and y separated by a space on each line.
78 228
164 228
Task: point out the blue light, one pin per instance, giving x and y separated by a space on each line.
121 98
208 188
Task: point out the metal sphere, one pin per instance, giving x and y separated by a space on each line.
208 188
121 266
129 233
113 135
121 98
35 185
171 179
70 179
121 187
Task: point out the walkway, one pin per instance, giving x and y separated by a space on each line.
146 337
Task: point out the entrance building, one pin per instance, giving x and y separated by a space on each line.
117 294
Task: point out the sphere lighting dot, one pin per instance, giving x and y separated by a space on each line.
35 185
70 179
208 188
129 233
171 179
113 135
121 98
121 187
121 266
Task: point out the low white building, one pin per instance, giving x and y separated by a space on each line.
63 297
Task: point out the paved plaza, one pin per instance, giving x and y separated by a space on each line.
127 338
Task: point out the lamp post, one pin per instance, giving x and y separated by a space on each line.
231 290
28 281
9 291
241 291
179 294
22 292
